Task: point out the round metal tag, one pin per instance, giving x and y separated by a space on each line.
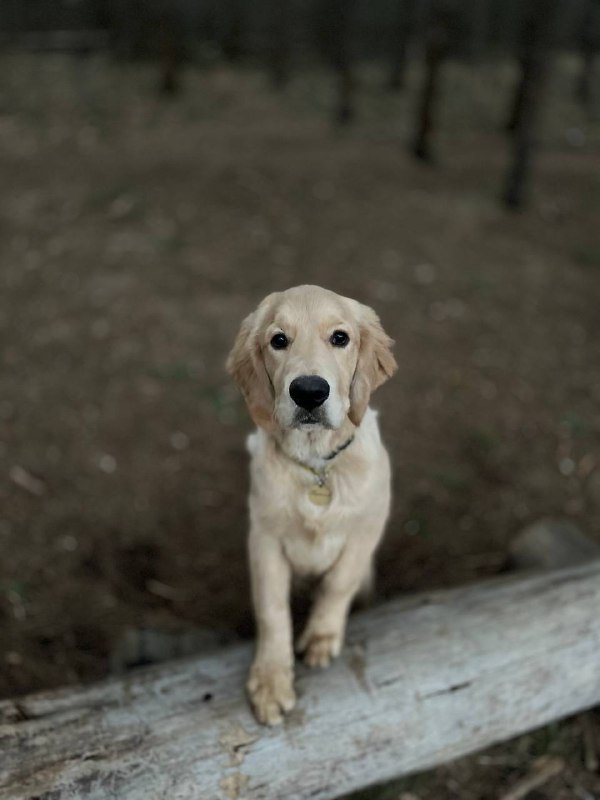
320 495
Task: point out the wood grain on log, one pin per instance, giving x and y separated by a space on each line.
420 682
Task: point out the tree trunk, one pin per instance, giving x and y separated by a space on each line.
232 44
333 28
403 34
524 120
279 44
589 43
342 61
437 46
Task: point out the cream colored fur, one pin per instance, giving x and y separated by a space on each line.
289 535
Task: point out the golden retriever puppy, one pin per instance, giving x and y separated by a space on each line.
307 361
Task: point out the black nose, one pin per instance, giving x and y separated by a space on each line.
309 391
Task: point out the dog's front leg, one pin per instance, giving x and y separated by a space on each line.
323 636
271 680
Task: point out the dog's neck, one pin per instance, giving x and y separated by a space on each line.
315 448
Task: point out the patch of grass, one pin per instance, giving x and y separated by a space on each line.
454 479
417 525
226 405
480 283
542 741
171 243
17 592
587 255
177 372
575 424
481 440
392 791
118 200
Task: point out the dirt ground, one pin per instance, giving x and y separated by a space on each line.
134 235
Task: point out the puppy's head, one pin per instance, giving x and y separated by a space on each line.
309 358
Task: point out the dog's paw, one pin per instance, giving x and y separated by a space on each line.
319 648
271 692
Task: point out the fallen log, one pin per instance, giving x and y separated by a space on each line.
421 681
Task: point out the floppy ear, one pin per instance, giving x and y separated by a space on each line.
246 366
375 365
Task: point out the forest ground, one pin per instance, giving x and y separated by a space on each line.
136 232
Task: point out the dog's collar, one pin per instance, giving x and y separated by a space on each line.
339 449
320 474
320 492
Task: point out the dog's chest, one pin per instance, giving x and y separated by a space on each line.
313 531
313 549
315 535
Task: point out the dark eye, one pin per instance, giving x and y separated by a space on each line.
339 339
279 341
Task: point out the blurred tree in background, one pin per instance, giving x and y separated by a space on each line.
286 34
